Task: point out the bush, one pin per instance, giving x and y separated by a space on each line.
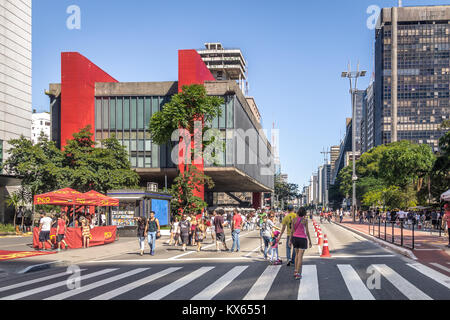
8 228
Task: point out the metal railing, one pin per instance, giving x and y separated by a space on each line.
394 231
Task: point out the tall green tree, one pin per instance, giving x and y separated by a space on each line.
185 108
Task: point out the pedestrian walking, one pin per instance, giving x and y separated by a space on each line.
141 226
286 224
261 218
192 233
174 232
218 226
152 229
45 225
446 220
185 229
268 228
236 230
85 232
212 228
300 239
61 232
200 230
274 242
341 216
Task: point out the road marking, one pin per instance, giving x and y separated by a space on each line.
53 286
211 291
209 246
428 249
355 285
243 258
405 287
130 286
309 285
433 274
250 253
165 291
94 285
26 283
263 284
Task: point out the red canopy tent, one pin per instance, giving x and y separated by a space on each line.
100 199
69 197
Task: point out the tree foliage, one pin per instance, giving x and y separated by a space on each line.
285 191
183 189
43 167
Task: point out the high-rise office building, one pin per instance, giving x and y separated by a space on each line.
15 71
367 123
422 72
334 155
15 87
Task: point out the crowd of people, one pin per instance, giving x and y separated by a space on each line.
60 221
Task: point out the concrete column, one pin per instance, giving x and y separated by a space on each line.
394 75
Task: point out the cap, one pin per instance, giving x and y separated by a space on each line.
290 207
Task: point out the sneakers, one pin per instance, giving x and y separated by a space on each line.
297 276
142 253
288 264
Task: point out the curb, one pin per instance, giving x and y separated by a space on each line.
403 251
43 266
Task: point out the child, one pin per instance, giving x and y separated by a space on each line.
274 249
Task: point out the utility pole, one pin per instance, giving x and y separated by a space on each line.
353 90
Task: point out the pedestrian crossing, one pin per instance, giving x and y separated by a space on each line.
413 281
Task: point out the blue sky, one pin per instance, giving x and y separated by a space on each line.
296 51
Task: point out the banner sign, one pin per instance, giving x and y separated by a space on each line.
99 236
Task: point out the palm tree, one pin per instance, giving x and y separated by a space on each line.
16 201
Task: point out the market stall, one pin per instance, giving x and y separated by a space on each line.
71 199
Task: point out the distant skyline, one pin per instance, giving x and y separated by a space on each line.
295 51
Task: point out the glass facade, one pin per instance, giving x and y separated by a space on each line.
423 81
128 119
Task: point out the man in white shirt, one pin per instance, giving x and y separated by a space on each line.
45 225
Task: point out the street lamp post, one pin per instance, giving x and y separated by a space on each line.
353 75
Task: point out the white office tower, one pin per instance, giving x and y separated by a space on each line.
15 71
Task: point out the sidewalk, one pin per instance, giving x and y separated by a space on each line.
69 257
429 247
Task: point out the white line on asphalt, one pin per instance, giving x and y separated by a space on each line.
405 287
26 283
433 274
165 291
309 285
212 290
53 286
250 253
37 265
355 285
130 286
428 249
209 246
263 284
94 285
235 258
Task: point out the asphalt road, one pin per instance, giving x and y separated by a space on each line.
358 270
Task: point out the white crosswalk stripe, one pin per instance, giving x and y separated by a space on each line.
437 265
405 287
263 284
54 285
121 290
212 290
109 285
37 280
433 274
94 285
358 290
165 291
309 285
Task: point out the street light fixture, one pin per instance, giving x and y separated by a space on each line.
353 75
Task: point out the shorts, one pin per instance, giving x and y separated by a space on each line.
185 238
60 238
300 243
44 236
220 237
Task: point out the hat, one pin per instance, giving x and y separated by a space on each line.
290 207
447 206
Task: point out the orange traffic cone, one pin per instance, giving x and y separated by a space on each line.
320 239
325 250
